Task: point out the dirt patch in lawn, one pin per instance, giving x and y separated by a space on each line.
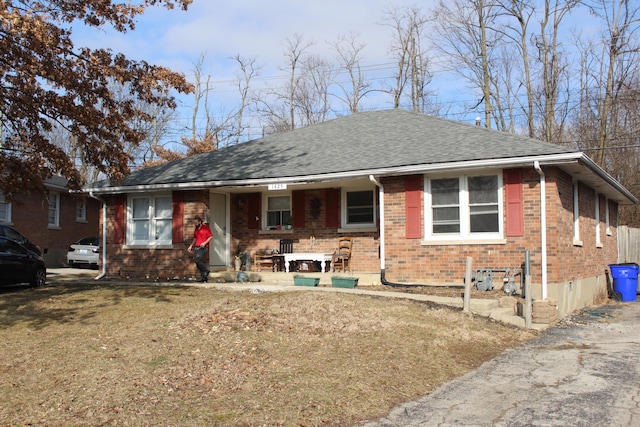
144 355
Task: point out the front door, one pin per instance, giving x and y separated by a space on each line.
219 255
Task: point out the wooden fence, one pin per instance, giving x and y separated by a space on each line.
628 244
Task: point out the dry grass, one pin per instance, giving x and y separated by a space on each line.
93 355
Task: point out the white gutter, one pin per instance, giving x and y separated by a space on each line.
104 236
543 227
381 209
306 179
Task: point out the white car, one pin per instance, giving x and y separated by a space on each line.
85 251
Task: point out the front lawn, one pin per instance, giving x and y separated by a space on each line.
147 355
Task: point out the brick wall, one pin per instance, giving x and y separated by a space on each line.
29 215
365 254
409 261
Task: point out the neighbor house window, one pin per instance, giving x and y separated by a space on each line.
464 207
597 217
606 217
5 209
149 220
81 210
576 216
359 208
54 210
278 211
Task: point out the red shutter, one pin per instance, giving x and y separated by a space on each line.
177 222
118 218
413 197
254 204
514 202
332 196
298 209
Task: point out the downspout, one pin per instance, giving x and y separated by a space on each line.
104 235
543 226
382 233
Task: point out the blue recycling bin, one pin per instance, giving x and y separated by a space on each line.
625 280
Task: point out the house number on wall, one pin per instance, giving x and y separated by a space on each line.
277 187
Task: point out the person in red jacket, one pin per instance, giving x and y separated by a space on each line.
201 237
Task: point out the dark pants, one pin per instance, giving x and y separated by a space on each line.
198 255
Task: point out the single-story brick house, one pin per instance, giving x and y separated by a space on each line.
418 194
53 221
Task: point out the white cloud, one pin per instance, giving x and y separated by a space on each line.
251 28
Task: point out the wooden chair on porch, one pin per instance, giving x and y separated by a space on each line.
341 259
263 260
286 247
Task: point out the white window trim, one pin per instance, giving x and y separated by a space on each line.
56 223
152 222
576 215
597 217
343 210
7 219
265 206
606 217
465 235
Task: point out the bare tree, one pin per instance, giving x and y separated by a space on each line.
248 71
622 23
408 26
554 65
521 11
296 47
349 54
465 32
312 93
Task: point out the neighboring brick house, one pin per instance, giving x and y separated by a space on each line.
418 194
53 221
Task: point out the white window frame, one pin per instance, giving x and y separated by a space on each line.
576 215
153 237
597 217
344 211
464 235
606 217
81 210
265 208
7 209
53 206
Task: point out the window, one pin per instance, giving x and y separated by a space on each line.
81 210
464 207
149 220
576 216
597 218
278 213
54 210
606 217
359 208
5 209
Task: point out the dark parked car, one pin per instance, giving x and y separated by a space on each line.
85 251
19 264
13 234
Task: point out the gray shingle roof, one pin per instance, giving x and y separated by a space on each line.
362 141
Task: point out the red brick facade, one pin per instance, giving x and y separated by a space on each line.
411 261
408 260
